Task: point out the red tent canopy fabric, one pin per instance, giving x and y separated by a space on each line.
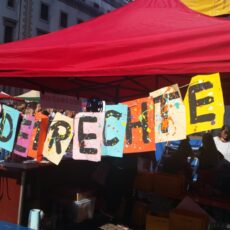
126 53
4 97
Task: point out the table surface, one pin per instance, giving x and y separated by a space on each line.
27 165
10 226
218 202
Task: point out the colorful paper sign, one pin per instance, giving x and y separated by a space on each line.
88 139
38 136
140 126
8 127
23 141
204 103
58 138
170 119
114 130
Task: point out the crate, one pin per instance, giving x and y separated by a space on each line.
183 219
164 184
139 213
156 222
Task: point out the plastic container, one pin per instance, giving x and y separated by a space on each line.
83 209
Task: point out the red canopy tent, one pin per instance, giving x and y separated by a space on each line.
7 97
121 55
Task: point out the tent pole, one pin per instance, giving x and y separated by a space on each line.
117 94
157 81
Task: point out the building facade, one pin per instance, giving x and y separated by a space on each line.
20 19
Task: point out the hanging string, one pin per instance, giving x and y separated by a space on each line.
187 85
183 86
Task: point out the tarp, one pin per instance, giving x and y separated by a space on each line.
31 95
124 54
6 97
209 7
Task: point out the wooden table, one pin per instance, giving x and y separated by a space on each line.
215 202
34 185
12 189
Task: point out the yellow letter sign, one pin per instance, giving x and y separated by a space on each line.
204 103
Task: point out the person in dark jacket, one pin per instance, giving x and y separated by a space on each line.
178 161
209 156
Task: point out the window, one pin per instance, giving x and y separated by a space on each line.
96 5
63 19
44 13
11 3
9 30
41 32
79 20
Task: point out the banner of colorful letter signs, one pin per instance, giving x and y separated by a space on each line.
131 127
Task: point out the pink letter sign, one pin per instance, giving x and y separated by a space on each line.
23 140
88 139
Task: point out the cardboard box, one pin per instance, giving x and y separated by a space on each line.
187 220
164 184
156 222
139 213
143 182
169 185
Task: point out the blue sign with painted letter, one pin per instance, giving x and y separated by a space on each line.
8 127
114 130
